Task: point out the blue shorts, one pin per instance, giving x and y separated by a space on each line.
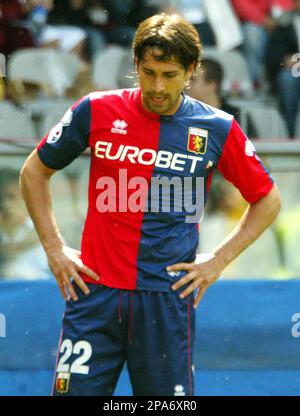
152 331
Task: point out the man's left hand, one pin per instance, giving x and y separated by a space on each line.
204 271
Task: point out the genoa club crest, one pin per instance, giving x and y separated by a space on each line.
62 382
197 141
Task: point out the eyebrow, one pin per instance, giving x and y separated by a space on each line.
173 72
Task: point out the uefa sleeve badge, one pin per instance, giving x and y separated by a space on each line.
56 132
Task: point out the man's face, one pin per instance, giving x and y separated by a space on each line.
162 82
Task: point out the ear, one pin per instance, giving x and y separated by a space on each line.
136 64
190 72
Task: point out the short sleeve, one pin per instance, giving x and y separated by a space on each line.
68 138
240 165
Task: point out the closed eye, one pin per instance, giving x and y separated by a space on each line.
171 74
148 71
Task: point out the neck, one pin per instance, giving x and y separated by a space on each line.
213 100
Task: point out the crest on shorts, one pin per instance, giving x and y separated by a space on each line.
62 382
197 140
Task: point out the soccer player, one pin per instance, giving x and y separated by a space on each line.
134 286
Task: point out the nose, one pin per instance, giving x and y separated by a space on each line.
158 85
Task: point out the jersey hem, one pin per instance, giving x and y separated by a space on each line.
136 288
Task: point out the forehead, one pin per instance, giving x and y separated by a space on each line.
151 58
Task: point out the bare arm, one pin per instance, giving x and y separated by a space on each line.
255 220
63 261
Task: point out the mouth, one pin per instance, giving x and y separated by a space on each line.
158 100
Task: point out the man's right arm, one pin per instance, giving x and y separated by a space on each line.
63 261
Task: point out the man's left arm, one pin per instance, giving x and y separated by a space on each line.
240 165
255 220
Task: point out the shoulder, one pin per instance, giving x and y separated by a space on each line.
218 122
111 95
100 100
208 111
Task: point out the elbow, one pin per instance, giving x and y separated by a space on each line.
34 172
25 175
276 202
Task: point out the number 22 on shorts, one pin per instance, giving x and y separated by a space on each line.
78 366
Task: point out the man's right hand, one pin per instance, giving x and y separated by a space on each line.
66 264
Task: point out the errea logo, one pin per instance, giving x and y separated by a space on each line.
119 127
179 390
174 274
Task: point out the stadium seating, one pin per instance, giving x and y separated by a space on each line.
52 69
107 65
15 124
268 123
247 340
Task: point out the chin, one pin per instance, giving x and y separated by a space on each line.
158 110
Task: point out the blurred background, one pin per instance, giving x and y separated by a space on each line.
54 52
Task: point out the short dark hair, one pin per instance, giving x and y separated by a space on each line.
173 35
213 71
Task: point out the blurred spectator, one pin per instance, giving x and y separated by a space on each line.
259 18
119 19
284 43
207 85
76 12
21 255
194 12
104 21
13 33
66 37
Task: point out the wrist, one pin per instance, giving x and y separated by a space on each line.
53 246
221 258
216 257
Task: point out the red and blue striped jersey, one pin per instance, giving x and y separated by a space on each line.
131 248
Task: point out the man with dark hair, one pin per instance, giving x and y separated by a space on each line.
138 262
207 86
283 69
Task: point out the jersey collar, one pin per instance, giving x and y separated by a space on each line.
138 100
